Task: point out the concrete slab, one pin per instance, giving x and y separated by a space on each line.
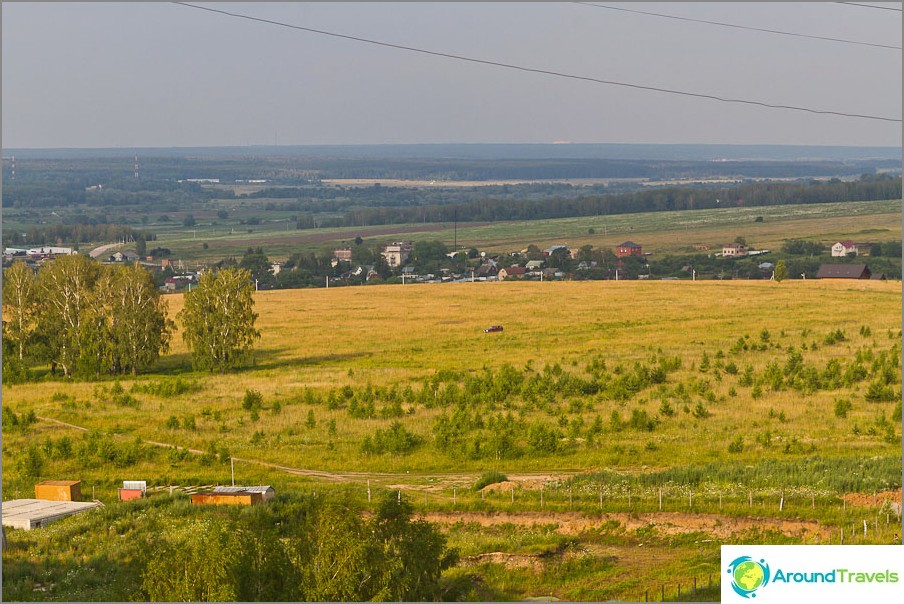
29 514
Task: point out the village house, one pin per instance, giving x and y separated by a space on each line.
628 248
343 254
397 254
534 265
512 272
842 249
843 271
123 256
734 250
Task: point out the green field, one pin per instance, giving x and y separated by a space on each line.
677 415
658 232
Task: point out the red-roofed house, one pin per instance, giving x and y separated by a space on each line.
628 248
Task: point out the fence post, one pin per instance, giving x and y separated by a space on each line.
781 502
400 495
750 498
813 501
864 528
695 584
660 499
662 588
601 498
569 497
629 498
842 535
454 497
679 591
690 499
720 501
368 491
541 497
425 496
513 494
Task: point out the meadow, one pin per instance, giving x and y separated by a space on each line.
677 415
658 232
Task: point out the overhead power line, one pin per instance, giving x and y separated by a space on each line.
735 26
541 71
861 5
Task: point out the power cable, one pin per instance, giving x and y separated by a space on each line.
870 6
735 26
541 71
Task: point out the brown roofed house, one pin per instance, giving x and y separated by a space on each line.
843 271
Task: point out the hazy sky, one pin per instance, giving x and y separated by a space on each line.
160 74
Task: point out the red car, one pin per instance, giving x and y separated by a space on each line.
492 328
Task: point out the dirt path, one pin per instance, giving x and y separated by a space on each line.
669 523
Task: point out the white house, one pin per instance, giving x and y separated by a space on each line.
843 248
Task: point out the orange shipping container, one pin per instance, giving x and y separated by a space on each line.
59 490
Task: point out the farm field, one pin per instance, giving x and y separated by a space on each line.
620 431
659 232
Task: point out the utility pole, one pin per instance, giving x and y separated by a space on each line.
232 465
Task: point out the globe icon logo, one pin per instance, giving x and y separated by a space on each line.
748 575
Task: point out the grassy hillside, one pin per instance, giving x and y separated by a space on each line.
627 412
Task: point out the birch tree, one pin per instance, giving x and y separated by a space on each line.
218 320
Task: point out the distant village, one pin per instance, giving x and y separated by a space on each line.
396 263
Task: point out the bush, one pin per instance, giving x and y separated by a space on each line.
737 445
489 478
252 400
842 406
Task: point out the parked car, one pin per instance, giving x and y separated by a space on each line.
492 328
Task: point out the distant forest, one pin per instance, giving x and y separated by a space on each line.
869 188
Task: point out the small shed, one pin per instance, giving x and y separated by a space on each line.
243 497
267 492
133 489
28 514
59 490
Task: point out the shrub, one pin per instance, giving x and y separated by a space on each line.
842 406
737 445
253 399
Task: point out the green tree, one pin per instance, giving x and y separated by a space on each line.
20 305
218 320
412 554
781 271
65 288
141 330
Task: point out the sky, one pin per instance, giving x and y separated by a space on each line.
126 74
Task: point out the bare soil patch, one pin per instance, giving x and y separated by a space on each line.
669 523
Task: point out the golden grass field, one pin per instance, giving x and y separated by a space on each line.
325 339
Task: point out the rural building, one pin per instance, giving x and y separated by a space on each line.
878 277
397 254
554 248
242 497
133 489
512 272
343 254
534 265
843 271
28 514
59 490
486 270
628 248
267 492
843 248
126 256
734 250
